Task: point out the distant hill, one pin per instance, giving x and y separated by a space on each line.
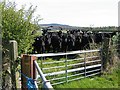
55 26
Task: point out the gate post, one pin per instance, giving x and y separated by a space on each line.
105 54
13 57
28 69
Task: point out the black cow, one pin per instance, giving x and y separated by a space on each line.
39 45
98 38
70 42
64 43
47 41
55 42
85 41
78 41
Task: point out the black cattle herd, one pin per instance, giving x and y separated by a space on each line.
70 41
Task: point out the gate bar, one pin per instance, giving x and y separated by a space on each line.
45 83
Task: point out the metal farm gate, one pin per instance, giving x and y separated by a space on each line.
58 68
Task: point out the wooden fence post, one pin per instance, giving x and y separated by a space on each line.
28 69
105 53
13 57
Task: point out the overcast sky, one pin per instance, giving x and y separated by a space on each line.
76 12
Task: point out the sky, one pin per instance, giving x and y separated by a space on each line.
84 13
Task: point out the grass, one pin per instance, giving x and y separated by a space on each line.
105 81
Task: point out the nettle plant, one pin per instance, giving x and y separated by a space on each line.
19 25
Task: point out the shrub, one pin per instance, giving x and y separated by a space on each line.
19 25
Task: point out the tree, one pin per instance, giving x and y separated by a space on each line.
19 25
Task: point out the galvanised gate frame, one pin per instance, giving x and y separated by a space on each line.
85 66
